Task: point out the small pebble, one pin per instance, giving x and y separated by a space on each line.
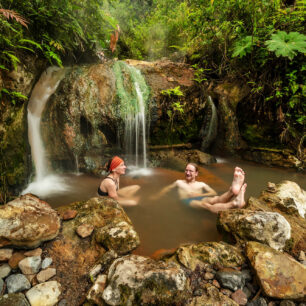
85 230
35 252
46 262
14 260
287 303
239 297
216 283
5 254
95 271
69 214
226 292
30 265
16 283
5 270
45 275
208 276
302 256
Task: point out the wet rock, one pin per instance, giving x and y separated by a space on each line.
27 221
46 262
239 297
30 265
272 157
1 286
151 282
5 254
276 199
226 292
231 280
72 256
14 299
211 296
266 227
31 278
292 198
95 293
95 271
247 292
216 283
107 259
14 260
120 237
208 276
69 214
177 158
85 230
36 252
302 256
5 270
209 253
16 283
258 302
280 276
287 303
45 275
63 302
46 294
247 275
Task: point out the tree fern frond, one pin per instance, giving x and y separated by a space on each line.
9 14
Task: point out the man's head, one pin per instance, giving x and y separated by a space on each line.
191 172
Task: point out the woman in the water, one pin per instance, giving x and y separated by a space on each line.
110 184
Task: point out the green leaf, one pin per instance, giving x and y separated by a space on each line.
287 44
28 41
243 46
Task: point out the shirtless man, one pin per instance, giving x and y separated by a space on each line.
200 195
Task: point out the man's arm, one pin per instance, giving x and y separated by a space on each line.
165 190
207 192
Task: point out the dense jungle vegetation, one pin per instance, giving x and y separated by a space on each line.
261 43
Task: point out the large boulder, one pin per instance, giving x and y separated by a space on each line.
279 275
270 228
137 280
287 199
73 256
27 221
209 254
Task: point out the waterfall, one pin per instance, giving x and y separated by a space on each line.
209 128
133 95
44 182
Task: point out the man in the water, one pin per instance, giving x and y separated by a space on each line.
200 195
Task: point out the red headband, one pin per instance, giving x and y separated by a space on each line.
116 161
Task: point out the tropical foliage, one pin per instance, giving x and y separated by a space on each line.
260 42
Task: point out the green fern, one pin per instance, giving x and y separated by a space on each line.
12 58
243 46
287 44
31 42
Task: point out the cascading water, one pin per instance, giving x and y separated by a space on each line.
133 94
44 182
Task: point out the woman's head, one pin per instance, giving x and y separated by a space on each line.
116 164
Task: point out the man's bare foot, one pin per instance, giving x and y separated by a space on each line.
238 180
239 201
